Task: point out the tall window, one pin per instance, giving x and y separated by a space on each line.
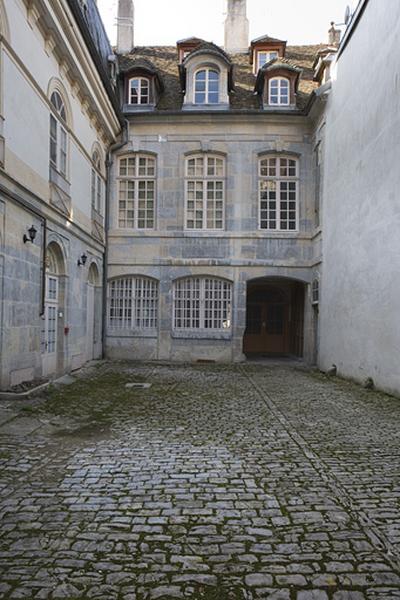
279 91
206 87
278 193
139 91
264 57
205 192
202 303
58 135
97 184
133 303
137 186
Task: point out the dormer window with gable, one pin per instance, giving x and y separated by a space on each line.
206 78
265 49
277 84
142 86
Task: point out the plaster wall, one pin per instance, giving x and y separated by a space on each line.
360 325
31 67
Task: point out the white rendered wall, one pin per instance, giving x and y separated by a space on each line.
360 316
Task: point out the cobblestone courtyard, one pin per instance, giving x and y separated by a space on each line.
245 481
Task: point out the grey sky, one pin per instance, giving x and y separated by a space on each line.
163 22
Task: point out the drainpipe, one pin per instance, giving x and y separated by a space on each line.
109 162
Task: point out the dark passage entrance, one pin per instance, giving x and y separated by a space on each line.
274 318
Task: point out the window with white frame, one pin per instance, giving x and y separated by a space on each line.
58 134
133 303
202 303
279 91
278 193
205 192
264 57
97 183
136 191
206 86
139 91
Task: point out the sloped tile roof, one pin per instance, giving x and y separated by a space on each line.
164 59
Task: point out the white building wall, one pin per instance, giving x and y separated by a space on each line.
38 50
360 322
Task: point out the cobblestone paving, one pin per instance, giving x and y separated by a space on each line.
218 482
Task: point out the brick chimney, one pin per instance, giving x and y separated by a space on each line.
125 27
237 27
334 35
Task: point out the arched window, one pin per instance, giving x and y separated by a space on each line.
206 86
205 192
278 193
139 90
203 303
133 303
97 183
136 190
279 91
58 134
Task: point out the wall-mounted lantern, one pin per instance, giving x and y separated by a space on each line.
32 235
82 260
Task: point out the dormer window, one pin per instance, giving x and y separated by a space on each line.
139 91
264 57
206 87
279 91
206 78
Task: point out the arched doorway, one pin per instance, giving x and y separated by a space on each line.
274 318
93 336
52 320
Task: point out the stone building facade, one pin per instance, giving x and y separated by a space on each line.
58 118
214 239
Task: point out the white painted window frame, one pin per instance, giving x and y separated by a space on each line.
60 140
207 91
137 297
278 179
270 55
280 95
197 311
136 180
204 179
143 99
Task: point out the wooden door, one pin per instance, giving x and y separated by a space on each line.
267 323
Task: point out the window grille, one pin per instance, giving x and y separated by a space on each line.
137 186
205 192
278 193
202 303
133 303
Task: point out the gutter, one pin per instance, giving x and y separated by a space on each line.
109 163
